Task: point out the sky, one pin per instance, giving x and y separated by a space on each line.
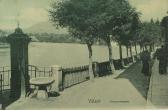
30 12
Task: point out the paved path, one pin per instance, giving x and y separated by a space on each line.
158 91
125 90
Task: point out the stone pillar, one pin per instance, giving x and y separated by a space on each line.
19 63
95 69
57 75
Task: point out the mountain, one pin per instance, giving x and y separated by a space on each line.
45 27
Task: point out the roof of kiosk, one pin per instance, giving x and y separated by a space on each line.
18 31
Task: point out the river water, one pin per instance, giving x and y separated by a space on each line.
63 54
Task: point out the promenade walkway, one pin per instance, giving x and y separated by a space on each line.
125 89
158 90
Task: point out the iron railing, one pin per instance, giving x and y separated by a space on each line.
76 75
1 84
5 78
35 71
71 76
5 75
104 68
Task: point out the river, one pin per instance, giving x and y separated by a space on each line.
63 54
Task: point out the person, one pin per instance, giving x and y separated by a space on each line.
146 58
161 56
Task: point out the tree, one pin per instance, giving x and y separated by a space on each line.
134 31
136 25
80 17
89 40
150 34
114 19
123 39
92 19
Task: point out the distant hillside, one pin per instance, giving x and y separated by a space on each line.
2 33
45 27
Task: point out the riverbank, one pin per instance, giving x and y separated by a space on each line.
4 45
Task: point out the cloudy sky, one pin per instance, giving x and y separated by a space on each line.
30 12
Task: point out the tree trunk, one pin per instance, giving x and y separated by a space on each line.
121 57
120 51
153 46
140 49
136 49
131 54
150 47
110 55
143 49
91 75
127 51
146 48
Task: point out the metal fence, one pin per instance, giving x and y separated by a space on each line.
118 64
1 84
104 68
72 76
5 75
35 71
4 79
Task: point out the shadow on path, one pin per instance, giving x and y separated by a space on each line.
134 75
5 99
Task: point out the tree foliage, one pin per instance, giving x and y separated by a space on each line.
89 20
79 16
150 33
2 36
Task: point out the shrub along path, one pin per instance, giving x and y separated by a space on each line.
125 89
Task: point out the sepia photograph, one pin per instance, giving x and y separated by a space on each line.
83 54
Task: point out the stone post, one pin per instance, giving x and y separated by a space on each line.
57 75
19 63
95 69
